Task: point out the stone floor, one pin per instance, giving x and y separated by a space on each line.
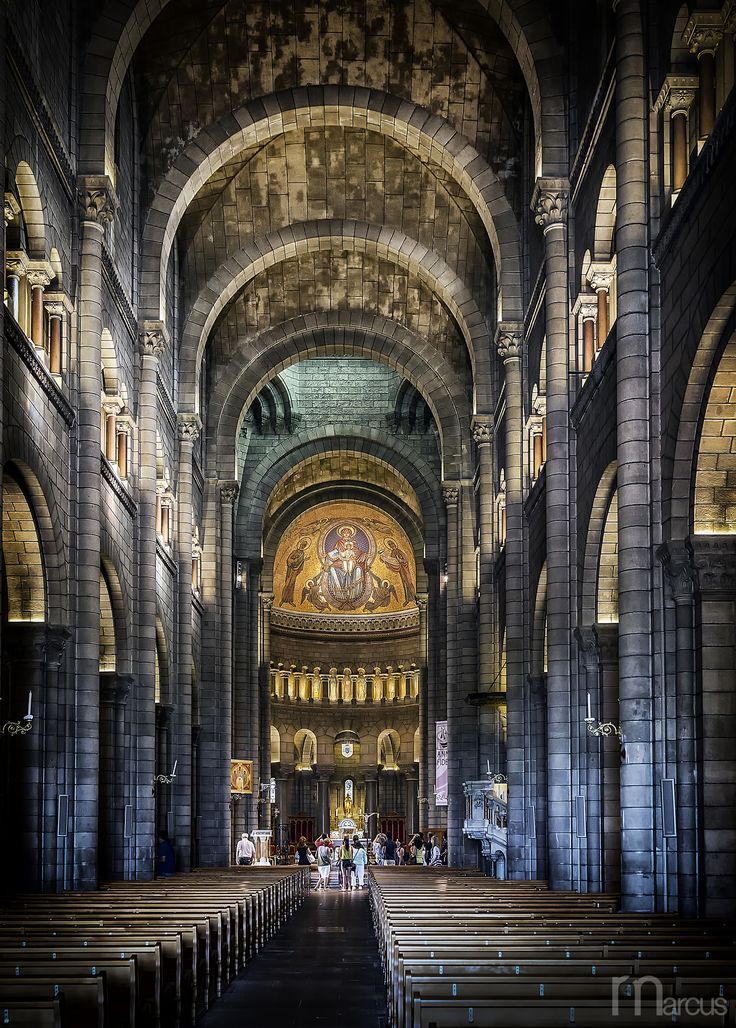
322 968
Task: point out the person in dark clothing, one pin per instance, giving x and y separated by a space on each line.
389 856
166 862
302 852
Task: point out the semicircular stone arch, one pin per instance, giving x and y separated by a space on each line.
429 137
291 451
340 333
599 516
394 246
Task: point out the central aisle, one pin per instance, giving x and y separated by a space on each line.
322 968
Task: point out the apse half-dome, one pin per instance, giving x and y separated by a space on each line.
345 567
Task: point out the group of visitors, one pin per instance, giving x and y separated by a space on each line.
429 851
351 859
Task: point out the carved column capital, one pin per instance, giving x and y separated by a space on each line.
55 645
164 714
677 559
549 202
97 199
703 32
607 636
11 208
450 494
115 689
229 492
267 601
586 306
715 562
189 427
600 275
677 94
153 338
482 429
509 340
16 262
39 274
588 647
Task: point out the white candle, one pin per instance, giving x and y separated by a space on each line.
589 714
174 769
488 765
29 715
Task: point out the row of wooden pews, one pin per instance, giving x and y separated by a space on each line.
146 954
459 948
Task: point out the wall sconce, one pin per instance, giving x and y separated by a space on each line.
165 779
602 728
24 726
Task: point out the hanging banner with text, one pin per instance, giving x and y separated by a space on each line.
440 788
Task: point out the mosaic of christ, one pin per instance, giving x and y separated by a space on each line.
345 558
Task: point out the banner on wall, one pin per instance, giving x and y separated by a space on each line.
241 777
440 788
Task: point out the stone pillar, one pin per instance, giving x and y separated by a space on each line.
165 716
702 35
600 277
98 207
483 435
676 96
509 339
586 309
55 870
633 454
371 806
550 206
243 699
189 428
423 715
455 806
266 602
411 804
590 653
114 692
681 577
39 275
536 813
254 689
153 340
24 651
610 758
16 265
58 308
323 802
228 496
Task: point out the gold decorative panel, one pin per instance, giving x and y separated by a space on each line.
345 560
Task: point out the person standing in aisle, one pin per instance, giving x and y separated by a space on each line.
389 851
324 864
346 861
360 859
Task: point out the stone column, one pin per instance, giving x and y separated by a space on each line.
266 602
590 653
58 308
509 339
39 275
610 758
411 804
243 699
24 646
536 819
423 712
550 206
681 577
114 692
98 207
676 96
600 277
371 805
323 802
455 805
189 428
16 265
55 872
587 309
633 455
228 496
153 340
702 35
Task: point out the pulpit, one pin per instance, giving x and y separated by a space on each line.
262 842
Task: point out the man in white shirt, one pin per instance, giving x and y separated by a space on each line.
245 850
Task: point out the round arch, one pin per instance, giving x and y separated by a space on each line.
24 570
342 333
539 631
395 451
32 207
358 237
605 216
594 543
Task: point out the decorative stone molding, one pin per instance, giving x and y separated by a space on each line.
482 429
509 340
229 492
586 306
97 199
607 636
113 405
677 559
117 487
600 274
373 625
153 338
728 14
189 427
549 202
39 274
27 353
11 208
267 601
703 32
715 562
588 647
16 263
57 303
450 495
115 689
55 645
677 94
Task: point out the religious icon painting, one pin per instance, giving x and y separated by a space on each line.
241 777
